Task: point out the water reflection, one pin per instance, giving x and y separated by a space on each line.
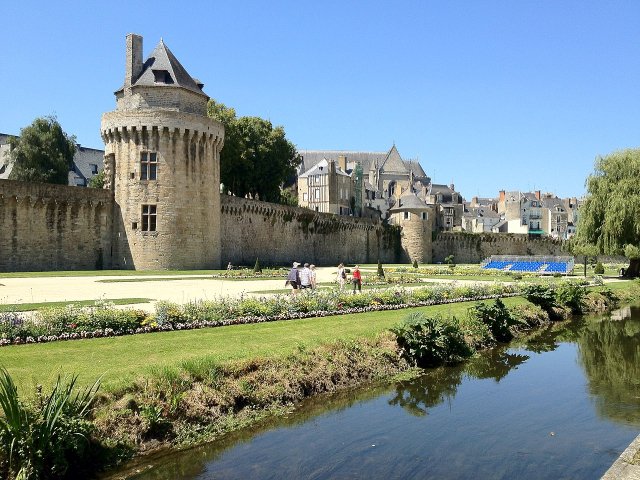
441 384
609 352
534 387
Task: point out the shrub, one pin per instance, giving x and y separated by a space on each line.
430 341
257 268
541 295
497 317
415 264
570 295
380 270
48 438
599 269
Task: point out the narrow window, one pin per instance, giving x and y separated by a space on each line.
148 165
424 215
149 218
407 215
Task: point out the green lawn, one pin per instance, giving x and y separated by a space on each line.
121 359
27 307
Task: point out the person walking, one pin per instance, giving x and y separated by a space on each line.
313 276
293 278
305 277
342 276
356 279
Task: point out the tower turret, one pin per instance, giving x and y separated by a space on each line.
416 219
162 164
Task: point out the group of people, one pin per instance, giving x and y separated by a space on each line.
301 278
356 277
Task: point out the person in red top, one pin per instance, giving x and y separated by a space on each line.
356 279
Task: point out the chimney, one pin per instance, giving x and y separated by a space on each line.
342 162
502 196
537 194
133 66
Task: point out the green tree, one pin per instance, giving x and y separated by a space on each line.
585 250
97 181
257 159
42 153
609 217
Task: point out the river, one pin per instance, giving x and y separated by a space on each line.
561 404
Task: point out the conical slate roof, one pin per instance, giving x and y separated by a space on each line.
409 201
162 60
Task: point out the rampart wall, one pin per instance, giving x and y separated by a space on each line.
56 227
53 227
473 248
279 234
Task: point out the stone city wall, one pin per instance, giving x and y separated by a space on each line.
473 248
53 227
279 235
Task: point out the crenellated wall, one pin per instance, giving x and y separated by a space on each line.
473 248
279 234
53 227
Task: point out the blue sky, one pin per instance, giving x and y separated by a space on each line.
487 94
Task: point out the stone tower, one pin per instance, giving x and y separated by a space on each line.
162 164
416 219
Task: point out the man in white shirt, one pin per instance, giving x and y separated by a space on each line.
305 277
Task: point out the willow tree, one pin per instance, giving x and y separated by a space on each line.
610 216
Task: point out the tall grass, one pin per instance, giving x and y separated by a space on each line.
41 440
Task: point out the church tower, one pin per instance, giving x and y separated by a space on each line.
162 165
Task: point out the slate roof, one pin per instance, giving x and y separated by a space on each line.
408 201
162 59
480 212
312 157
87 162
321 168
553 202
366 159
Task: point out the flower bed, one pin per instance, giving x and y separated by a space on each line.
103 320
249 273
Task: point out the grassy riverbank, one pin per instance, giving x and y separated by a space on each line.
177 388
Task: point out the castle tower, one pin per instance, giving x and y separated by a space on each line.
162 164
416 219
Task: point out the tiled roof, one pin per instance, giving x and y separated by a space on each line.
321 168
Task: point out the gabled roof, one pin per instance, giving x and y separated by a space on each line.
366 159
393 162
161 59
322 168
415 167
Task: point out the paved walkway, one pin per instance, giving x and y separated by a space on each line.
183 289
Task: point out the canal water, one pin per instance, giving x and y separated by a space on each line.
562 404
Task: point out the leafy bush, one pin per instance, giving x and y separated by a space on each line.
541 295
599 269
497 317
430 341
415 264
570 295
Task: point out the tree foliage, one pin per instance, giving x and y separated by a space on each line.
42 153
97 181
609 218
257 159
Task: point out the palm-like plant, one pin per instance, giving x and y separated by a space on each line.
33 438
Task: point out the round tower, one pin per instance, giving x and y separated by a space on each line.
162 164
416 219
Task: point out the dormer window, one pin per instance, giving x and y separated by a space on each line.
162 76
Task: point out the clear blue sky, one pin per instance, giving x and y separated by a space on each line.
513 94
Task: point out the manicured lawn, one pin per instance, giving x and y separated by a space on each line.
27 307
107 273
121 359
